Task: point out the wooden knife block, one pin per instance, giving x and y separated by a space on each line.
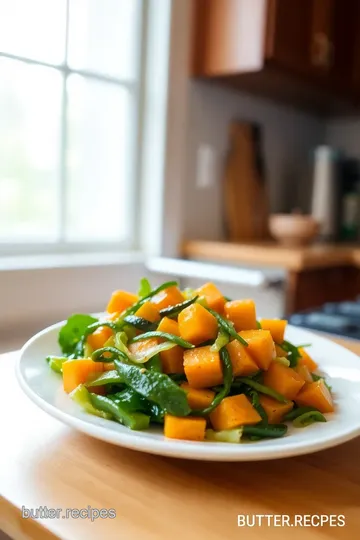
245 194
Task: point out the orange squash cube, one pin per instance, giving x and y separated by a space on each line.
242 313
97 339
214 299
190 428
284 380
168 297
197 325
232 412
307 361
172 361
274 409
316 394
242 363
202 367
276 328
198 398
120 300
169 326
260 346
149 312
280 352
78 371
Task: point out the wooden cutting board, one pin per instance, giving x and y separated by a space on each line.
245 193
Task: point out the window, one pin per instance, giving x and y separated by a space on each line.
69 116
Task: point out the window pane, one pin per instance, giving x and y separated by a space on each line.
99 173
34 29
104 36
30 112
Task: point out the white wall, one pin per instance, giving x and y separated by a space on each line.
289 137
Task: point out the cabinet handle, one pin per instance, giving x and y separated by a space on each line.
322 51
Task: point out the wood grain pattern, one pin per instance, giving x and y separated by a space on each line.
44 462
271 254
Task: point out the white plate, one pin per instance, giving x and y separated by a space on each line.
342 369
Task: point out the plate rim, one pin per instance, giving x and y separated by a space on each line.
173 447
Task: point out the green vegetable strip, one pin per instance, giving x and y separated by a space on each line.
228 377
171 311
81 396
293 352
226 435
140 324
156 387
222 339
227 327
308 418
262 389
298 412
154 364
108 377
91 329
257 405
134 420
145 288
164 335
56 362
98 354
264 432
132 401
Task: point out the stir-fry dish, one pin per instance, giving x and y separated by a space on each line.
194 362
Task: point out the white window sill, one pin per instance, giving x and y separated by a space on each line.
72 260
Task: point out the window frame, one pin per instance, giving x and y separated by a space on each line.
60 245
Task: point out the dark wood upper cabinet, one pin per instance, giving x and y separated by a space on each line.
306 52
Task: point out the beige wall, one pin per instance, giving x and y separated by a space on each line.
289 137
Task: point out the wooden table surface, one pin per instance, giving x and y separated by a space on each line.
45 463
274 255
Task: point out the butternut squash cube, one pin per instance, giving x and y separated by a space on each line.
78 371
284 380
169 326
260 346
307 360
242 363
214 298
232 412
202 367
316 394
172 361
120 300
276 328
190 428
242 313
280 351
197 325
97 339
198 398
168 297
274 409
149 312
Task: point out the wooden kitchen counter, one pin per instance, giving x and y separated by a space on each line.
271 254
45 463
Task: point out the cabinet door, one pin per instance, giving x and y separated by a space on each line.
300 35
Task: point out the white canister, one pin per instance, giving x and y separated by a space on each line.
324 207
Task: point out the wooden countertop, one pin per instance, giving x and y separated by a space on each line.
45 463
271 254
